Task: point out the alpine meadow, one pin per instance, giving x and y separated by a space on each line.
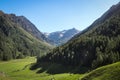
27 52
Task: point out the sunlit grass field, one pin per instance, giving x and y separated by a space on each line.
108 72
20 70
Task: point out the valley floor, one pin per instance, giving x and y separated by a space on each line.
20 70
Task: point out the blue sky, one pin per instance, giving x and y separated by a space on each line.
55 15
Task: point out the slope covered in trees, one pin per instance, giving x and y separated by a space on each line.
28 26
15 42
96 46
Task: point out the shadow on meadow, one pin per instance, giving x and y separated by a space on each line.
53 68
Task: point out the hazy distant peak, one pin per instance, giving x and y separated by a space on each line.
60 37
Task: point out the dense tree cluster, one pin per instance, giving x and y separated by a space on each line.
15 42
97 47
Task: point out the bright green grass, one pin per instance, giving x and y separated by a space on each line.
108 72
19 70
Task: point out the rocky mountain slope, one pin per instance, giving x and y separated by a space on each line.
61 37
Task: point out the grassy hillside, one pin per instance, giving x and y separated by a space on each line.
109 72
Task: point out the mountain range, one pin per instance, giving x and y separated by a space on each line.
61 37
97 45
19 37
94 51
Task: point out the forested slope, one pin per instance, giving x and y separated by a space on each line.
97 46
15 42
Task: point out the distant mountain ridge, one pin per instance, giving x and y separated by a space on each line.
61 37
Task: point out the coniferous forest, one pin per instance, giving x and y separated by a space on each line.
16 42
90 54
96 46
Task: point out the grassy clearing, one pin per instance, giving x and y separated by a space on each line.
19 70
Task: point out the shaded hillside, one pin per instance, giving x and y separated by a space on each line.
114 10
61 37
98 46
15 42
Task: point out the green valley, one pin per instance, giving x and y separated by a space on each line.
96 46
29 54
20 70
